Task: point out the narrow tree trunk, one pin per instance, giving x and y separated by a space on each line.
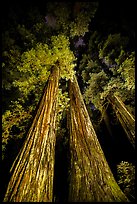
32 178
126 119
91 179
107 122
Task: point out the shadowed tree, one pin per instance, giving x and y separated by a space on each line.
117 89
33 169
91 178
124 116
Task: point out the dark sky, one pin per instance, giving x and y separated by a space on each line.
117 8
111 8
115 16
116 11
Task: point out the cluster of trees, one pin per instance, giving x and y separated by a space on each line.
56 93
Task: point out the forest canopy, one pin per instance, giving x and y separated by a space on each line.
81 39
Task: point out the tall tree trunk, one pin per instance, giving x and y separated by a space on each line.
91 178
126 119
32 178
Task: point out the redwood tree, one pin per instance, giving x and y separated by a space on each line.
125 117
91 178
33 170
29 52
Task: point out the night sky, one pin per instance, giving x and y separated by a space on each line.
112 10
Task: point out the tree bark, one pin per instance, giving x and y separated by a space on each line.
91 179
32 178
125 117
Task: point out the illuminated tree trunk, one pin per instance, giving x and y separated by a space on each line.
91 179
126 119
33 169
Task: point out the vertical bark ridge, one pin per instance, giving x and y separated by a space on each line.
125 117
91 178
33 169
23 149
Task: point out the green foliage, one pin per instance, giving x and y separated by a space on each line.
123 83
28 72
109 54
62 14
63 105
68 25
35 64
31 47
90 67
81 23
127 71
80 26
112 47
121 57
33 69
7 41
126 178
41 32
112 86
26 36
14 123
29 52
63 54
83 61
94 43
95 88
87 66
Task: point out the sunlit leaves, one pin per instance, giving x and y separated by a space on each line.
65 57
80 26
127 71
30 71
63 104
40 59
33 68
16 117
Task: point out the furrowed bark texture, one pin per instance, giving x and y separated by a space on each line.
91 178
32 178
125 117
